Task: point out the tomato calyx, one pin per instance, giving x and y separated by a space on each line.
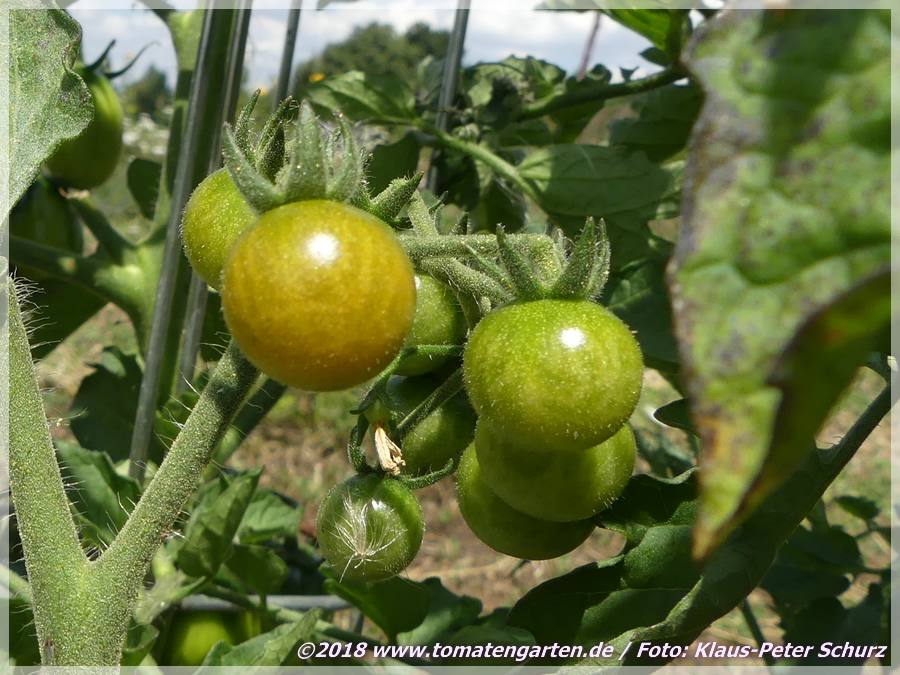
94 66
297 160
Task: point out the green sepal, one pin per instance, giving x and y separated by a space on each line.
420 216
271 144
344 183
419 482
96 63
585 266
355 452
260 194
304 175
242 127
388 204
521 271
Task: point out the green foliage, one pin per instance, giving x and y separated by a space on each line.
49 103
789 213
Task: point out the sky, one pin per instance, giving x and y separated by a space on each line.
492 34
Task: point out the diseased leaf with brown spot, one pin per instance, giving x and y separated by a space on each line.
786 207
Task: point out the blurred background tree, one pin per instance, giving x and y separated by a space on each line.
377 50
150 95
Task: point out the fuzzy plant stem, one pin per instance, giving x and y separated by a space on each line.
82 608
125 563
56 564
537 247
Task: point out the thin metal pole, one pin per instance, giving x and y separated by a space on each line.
287 52
452 61
198 292
185 170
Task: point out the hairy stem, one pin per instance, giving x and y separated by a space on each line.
54 558
447 390
123 566
479 152
601 92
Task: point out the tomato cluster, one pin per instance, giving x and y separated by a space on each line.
553 383
320 295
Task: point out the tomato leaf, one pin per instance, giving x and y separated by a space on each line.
209 534
364 97
269 516
257 567
100 496
861 507
665 118
786 210
269 649
65 307
445 613
677 415
104 407
394 605
626 189
637 294
143 184
48 102
392 160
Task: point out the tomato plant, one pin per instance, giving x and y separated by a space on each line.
664 294
369 528
553 374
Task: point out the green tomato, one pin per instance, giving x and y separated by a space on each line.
439 437
44 216
439 321
319 295
560 375
215 216
557 486
369 528
505 529
90 158
193 633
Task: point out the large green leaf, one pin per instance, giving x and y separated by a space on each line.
48 102
786 209
664 122
363 97
625 188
